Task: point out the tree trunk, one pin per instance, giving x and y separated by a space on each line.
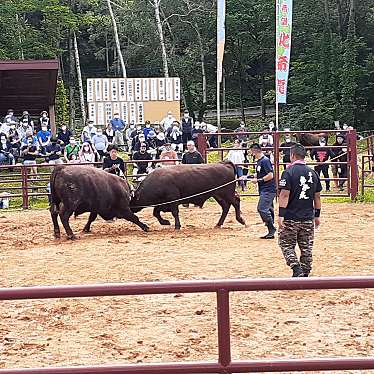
107 53
156 7
79 76
116 38
262 93
71 82
240 82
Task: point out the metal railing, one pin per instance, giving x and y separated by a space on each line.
351 145
366 162
222 289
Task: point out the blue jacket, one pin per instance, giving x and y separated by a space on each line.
117 124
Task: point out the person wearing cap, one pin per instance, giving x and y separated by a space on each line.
43 120
187 124
90 130
339 155
112 163
26 118
192 155
322 155
142 155
152 142
285 148
147 129
168 155
168 121
71 149
53 152
299 212
10 117
140 139
266 188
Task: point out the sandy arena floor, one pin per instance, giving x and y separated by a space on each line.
173 327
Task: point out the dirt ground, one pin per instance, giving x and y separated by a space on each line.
181 327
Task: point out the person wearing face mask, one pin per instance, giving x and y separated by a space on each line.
142 155
10 117
174 135
26 118
64 135
187 125
86 153
71 148
5 128
109 133
339 155
100 143
147 129
29 153
239 130
43 120
285 148
152 142
44 138
195 132
168 154
118 126
54 152
167 121
130 133
138 141
322 155
90 129
6 155
24 128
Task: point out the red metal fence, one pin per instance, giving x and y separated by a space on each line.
366 168
222 288
351 145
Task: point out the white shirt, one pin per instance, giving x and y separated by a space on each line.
236 156
91 131
4 129
270 140
167 122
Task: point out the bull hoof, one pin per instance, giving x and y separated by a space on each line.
57 235
218 226
145 228
86 230
177 228
72 237
165 222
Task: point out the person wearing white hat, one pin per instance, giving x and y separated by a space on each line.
168 120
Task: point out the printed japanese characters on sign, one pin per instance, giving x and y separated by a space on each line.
154 89
161 89
140 110
283 48
122 90
90 90
108 112
169 89
114 83
130 90
100 113
146 89
125 112
98 95
138 89
92 112
106 90
177 89
133 112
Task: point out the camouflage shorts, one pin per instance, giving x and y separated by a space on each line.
301 233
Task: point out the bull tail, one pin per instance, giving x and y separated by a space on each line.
54 199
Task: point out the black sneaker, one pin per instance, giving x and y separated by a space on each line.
297 272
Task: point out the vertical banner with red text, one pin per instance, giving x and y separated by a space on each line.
283 48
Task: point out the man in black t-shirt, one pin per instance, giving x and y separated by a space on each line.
192 156
114 164
142 155
266 188
299 212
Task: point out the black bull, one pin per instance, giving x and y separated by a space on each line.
78 189
165 185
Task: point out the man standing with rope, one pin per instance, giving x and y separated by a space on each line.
299 212
266 188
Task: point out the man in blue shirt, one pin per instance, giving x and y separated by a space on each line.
266 188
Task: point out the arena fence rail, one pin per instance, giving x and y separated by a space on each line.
367 167
222 289
275 148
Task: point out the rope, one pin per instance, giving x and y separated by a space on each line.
187 197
